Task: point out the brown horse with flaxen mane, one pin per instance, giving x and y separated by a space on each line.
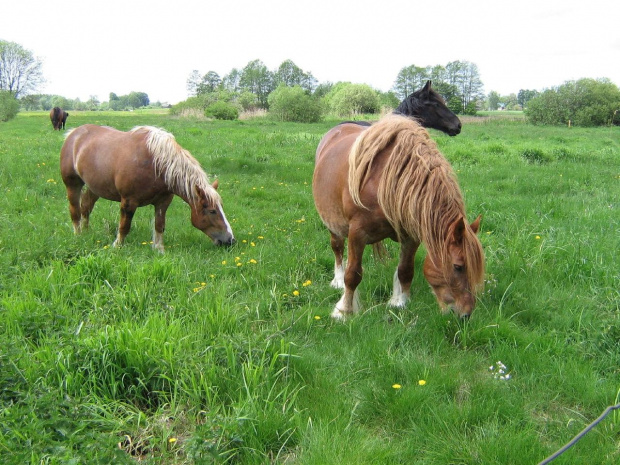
144 166
389 180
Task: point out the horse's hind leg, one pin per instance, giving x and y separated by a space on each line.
160 223
87 204
403 276
128 208
74 190
337 244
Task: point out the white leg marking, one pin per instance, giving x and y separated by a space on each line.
344 309
338 281
399 298
118 242
158 241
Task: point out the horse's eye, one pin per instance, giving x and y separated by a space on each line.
212 212
458 268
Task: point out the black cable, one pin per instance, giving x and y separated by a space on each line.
572 442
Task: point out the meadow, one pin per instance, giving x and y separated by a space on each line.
228 355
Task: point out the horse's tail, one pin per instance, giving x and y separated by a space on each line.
380 251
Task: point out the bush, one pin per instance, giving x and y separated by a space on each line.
222 110
9 106
586 102
294 104
352 99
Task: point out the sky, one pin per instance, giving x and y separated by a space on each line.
91 48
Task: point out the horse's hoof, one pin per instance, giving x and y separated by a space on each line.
337 283
338 315
398 301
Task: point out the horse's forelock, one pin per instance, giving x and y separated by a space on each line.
182 172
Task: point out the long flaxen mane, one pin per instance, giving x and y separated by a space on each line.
418 191
182 172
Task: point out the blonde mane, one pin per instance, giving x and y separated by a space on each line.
418 191
182 172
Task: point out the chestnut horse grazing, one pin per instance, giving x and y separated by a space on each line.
389 180
59 118
145 166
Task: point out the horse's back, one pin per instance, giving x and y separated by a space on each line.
338 135
112 163
329 183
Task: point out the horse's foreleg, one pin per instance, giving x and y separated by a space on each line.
160 223
128 209
337 244
403 276
87 205
349 302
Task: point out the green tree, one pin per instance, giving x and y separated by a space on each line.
493 100
193 83
586 102
9 106
465 76
292 75
294 104
352 99
524 96
256 78
408 80
231 81
20 72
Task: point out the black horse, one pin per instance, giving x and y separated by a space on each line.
429 109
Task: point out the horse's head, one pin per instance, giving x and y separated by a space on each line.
430 109
457 276
209 217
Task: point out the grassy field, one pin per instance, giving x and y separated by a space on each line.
228 355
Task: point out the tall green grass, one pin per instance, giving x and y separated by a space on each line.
228 355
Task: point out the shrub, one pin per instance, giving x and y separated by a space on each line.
586 102
9 106
294 104
351 99
222 110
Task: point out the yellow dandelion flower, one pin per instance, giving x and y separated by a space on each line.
422 382
253 261
237 259
260 237
244 241
172 440
239 264
307 283
295 292
144 243
252 244
396 386
317 317
223 262
537 238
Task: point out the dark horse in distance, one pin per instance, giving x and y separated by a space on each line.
59 118
428 108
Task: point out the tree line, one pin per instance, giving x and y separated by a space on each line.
290 93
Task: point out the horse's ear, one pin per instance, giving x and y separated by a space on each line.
475 226
200 193
216 184
427 86
458 229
